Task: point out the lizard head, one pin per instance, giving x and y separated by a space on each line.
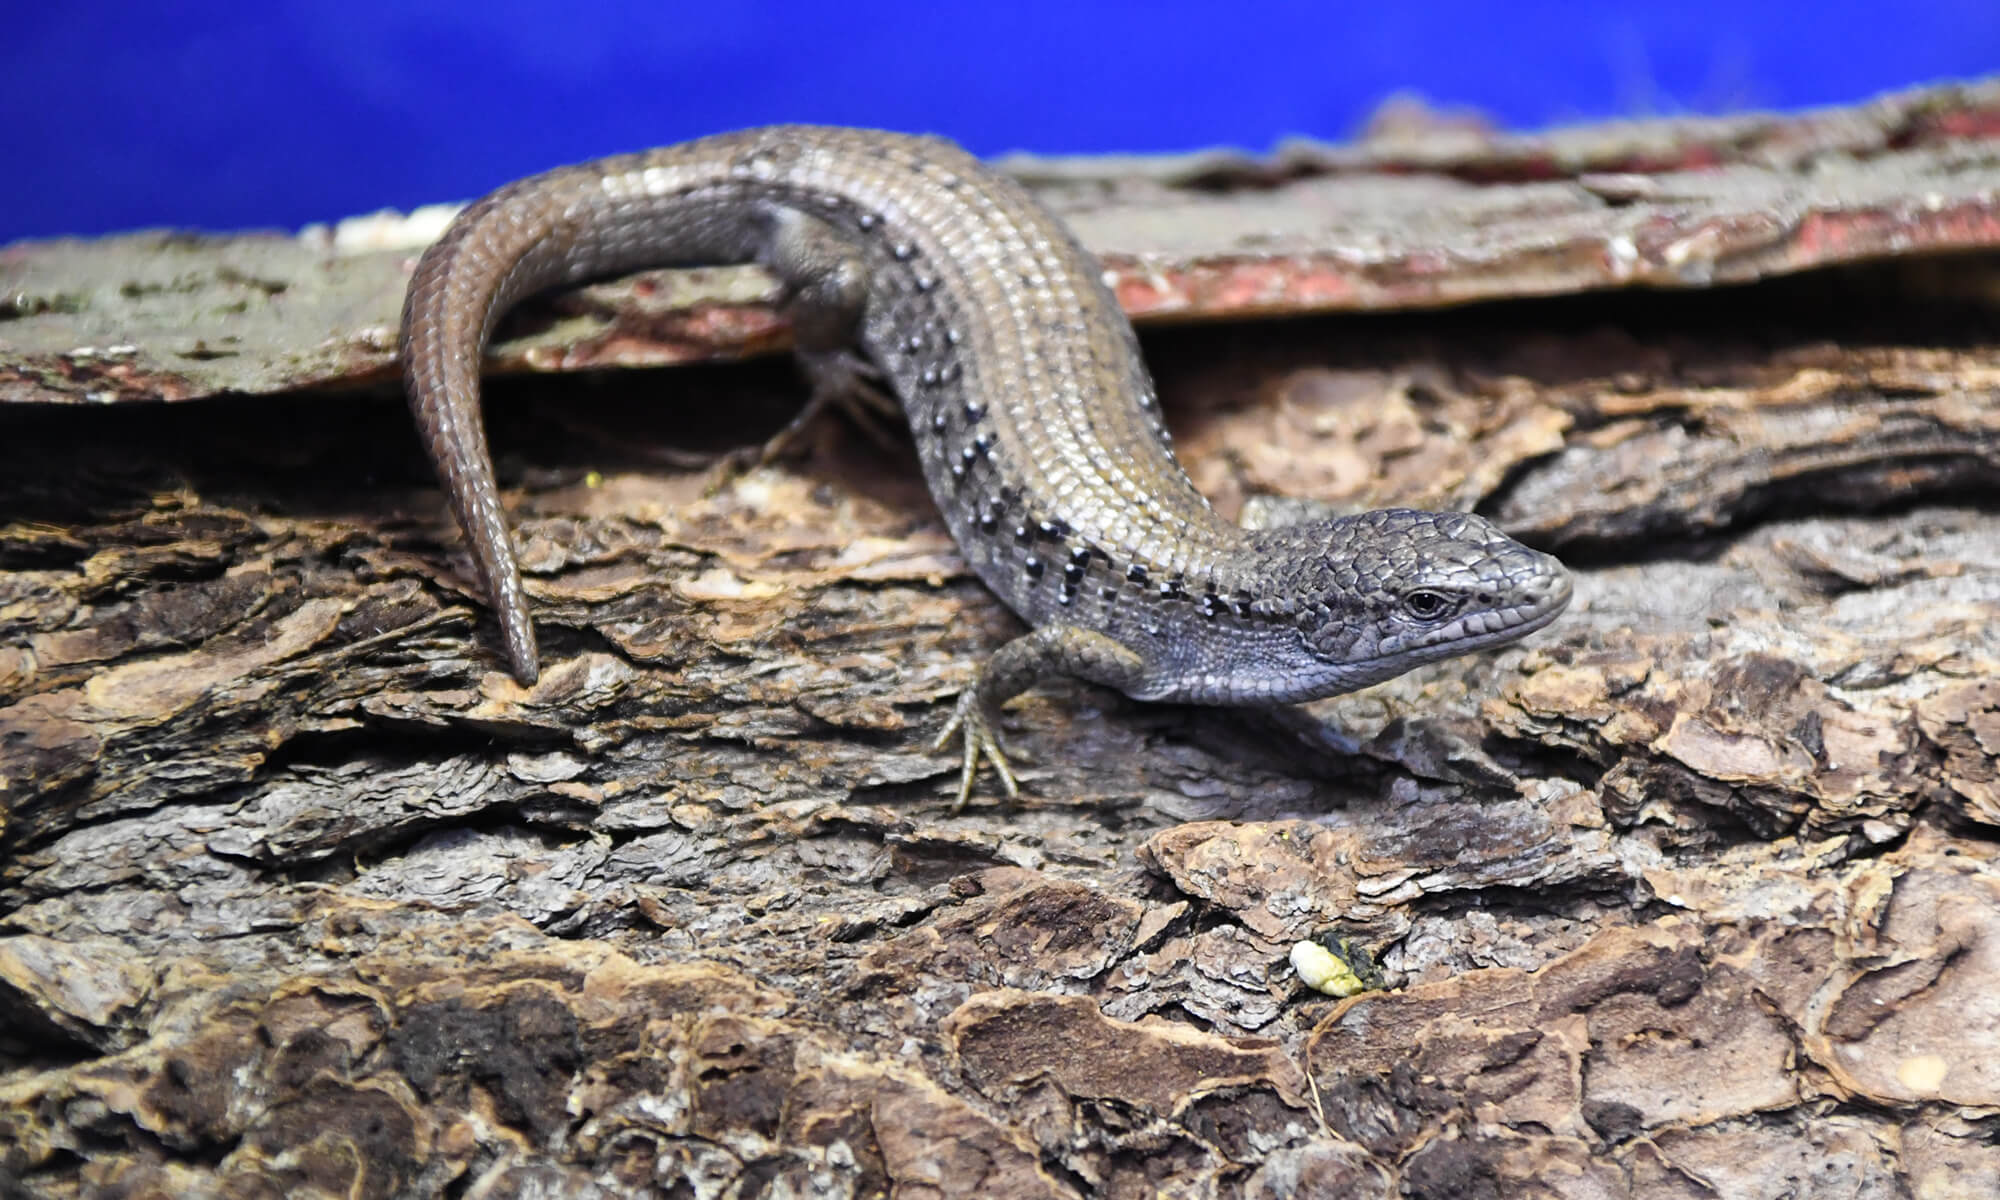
1381 592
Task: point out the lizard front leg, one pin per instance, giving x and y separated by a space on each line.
1045 653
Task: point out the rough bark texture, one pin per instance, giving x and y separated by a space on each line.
1691 896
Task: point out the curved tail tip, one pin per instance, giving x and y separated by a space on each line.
522 659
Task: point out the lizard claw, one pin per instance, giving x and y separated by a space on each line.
839 379
975 725
844 380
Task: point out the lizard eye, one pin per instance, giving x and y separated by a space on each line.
1427 605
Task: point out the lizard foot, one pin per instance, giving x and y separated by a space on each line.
841 380
844 380
975 725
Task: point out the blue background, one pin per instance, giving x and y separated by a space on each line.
225 115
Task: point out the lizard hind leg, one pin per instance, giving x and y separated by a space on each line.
824 281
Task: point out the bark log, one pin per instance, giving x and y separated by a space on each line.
1691 895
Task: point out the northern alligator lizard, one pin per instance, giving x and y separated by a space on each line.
1033 415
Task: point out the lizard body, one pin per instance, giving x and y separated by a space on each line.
1034 418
